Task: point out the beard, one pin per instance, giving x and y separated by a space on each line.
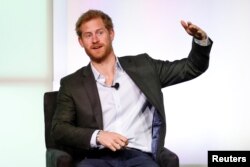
100 55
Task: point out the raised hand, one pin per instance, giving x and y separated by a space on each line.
194 30
112 140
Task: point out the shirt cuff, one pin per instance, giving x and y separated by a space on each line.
93 139
204 42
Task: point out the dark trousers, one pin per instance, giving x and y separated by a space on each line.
121 158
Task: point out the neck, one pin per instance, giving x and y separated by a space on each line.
106 68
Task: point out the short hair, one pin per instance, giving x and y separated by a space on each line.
92 14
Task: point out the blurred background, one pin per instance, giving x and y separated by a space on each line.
38 46
26 62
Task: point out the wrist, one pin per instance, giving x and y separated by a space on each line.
203 42
98 137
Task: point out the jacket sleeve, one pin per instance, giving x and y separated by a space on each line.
195 64
64 127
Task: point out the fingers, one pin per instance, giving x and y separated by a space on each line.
113 141
122 142
118 143
184 25
114 147
194 30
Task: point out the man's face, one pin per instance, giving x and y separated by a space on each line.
96 40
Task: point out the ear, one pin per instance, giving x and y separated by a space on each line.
80 41
112 34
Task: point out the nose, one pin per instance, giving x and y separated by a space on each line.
95 38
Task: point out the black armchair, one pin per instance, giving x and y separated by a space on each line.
56 157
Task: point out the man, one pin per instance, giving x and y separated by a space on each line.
112 110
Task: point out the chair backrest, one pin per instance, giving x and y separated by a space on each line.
49 110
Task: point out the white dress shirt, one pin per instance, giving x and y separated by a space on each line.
125 110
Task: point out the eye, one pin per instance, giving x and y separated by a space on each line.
87 35
100 32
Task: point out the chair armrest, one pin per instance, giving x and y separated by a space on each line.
168 159
58 158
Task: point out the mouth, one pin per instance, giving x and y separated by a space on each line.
95 47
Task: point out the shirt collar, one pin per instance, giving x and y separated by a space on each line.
99 76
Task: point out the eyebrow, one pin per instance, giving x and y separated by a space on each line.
87 32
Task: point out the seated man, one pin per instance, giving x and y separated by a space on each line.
112 110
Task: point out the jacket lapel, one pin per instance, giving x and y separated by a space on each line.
89 84
130 67
142 82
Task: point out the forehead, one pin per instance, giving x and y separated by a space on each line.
92 25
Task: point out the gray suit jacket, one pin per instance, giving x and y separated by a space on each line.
79 111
